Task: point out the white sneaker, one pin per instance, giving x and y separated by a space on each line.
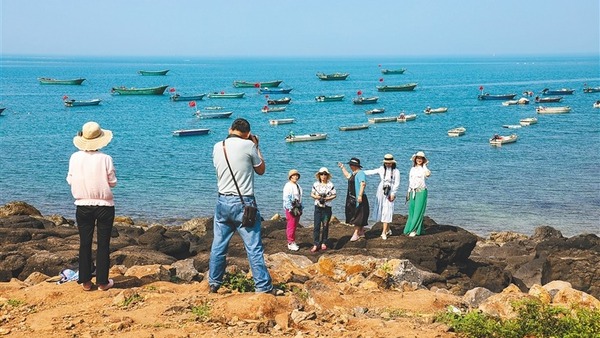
384 236
412 234
293 246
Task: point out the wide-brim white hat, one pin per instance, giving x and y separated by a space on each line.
92 137
388 158
419 154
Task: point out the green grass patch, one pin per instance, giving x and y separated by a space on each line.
132 300
238 281
202 311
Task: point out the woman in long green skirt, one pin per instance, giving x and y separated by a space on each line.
417 194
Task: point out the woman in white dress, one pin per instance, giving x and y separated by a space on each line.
386 192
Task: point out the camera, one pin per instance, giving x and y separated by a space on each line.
322 199
386 190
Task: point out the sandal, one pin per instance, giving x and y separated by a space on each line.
105 287
314 249
87 286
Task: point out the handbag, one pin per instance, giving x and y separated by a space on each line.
250 211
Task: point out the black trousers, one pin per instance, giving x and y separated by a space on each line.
88 218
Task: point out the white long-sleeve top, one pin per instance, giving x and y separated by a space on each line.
291 191
417 176
389 177
91 176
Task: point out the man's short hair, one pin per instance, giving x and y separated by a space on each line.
241 125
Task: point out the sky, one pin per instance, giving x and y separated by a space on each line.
302 28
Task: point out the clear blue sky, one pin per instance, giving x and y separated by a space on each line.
299 28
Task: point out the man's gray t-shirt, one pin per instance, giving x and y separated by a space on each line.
243 157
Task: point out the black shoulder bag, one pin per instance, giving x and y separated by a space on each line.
250 211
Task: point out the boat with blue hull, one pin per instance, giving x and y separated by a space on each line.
488 96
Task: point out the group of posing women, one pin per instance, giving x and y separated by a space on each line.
357 207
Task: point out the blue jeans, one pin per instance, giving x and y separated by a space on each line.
321 218
89 218
228 218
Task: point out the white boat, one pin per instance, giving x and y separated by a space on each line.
510 102
375 111
498 140
528 121
306 137
403 117
596 104
512 126
523 100
458 131
356 127
430 110
267 109
383 119
215 115
275 122
213 108
191 132
553 110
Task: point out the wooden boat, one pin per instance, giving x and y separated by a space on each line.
596 104
139 91
333 76
375 111
284 100
549 99
153 72
429 110
190 132
267 109
178 97
365 100
458 131
276 122
488 96
404 118
591 89
528 121
76 103
393 71
553 110
355 127
306 137
267 90
498 140
47 80
563 91
247 84
397 88
213 115
329 98
383 119
222 95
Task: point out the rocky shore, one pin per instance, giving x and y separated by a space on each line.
368 288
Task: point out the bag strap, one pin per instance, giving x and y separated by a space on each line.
232 175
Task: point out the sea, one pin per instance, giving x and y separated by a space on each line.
550 176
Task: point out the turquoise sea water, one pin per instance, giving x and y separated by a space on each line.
548 177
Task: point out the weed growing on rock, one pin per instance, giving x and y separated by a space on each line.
132 300
238 281
202 311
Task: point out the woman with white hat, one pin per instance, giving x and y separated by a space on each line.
91 176
292 203
417 194
357 203
323 193
386 192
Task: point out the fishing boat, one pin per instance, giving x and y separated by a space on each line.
383 119
498 140
329 98
365 100
213 115
488 96
515 102
77 103
178 97
50 81
596 104
458 131
306 137
354 127
223 95
439 110
153 72
553 110
393 71
2 110
512 126
139 91
247 84
267 90
333 76
528 121
375 111
397 88
587 89
267 109
404 117
548 99
190 132
275 122
563 91
284 100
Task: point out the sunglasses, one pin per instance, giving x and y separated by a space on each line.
323 174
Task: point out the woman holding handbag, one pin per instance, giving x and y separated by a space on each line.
292 203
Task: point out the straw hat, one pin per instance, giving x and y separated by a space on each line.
293 172
355 162
323 170
92 137
419 154
388 158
